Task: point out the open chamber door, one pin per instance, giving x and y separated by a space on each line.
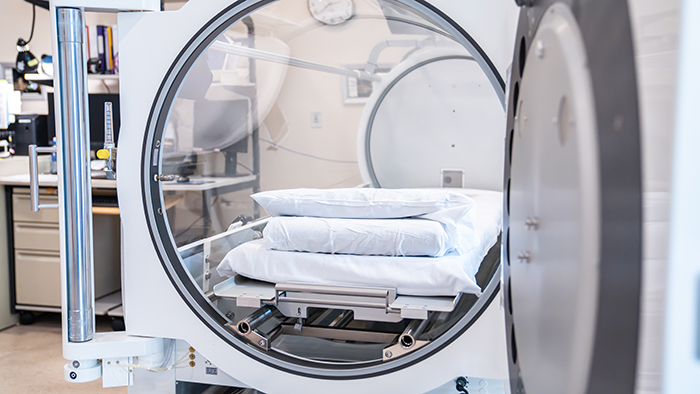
573 205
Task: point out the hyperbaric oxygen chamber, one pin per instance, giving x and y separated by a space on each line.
258 95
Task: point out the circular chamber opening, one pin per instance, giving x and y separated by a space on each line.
274 96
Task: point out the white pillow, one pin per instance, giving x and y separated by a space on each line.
360 203
382 237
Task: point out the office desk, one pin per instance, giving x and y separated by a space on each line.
210 187
33 238
33 246
9 166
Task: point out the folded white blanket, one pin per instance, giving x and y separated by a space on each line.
384 237
419 276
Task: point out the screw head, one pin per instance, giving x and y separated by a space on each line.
76 364
388 354
262 343
73 375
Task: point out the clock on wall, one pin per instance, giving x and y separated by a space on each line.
332 12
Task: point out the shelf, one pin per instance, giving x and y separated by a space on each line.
47 80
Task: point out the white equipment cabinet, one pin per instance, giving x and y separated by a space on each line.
553 123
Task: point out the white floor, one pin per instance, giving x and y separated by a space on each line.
31 360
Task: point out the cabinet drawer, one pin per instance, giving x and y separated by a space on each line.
37 236
38 278
22 209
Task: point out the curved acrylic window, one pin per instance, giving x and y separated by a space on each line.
320 94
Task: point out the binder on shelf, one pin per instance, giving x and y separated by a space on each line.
109 50
92 42
102 43
101 48
115 50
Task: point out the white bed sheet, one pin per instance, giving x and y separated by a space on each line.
419 276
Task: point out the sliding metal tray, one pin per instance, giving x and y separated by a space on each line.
294 300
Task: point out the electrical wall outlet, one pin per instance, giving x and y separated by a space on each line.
452 178
316 120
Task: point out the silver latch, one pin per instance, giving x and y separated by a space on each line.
166 177
524 257
531 223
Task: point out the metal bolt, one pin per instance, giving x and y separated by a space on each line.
524 257
160 211
388 354
117 361
262 343
191 349
192 364
539 46
73 375
157 143
191 356
531 223
76 364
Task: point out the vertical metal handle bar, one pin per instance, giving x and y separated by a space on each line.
74 186
34 176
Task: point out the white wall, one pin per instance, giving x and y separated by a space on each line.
306 91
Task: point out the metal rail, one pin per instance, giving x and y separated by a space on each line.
275 58
74 184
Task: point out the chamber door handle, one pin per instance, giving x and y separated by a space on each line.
34 176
